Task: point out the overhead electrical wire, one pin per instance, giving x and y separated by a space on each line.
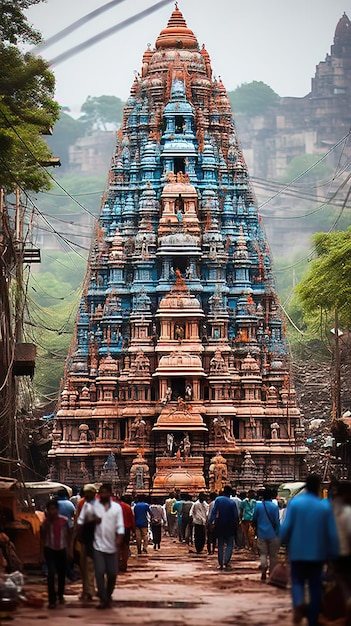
52 229
307 170
72 27
14 129
106 33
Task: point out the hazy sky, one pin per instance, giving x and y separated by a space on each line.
276 41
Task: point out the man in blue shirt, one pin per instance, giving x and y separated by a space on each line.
142 516
310 533
266 521
225 517
177 508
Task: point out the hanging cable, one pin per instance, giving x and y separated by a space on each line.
306 171
106 33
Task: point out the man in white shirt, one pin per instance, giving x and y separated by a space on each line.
108 536
199 513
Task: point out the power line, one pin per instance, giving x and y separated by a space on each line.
106 33
72 27
307 170
43 168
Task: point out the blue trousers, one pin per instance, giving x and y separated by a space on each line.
309 572
225 549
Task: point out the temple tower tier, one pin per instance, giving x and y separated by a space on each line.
178 377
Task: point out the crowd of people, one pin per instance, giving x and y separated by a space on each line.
314 534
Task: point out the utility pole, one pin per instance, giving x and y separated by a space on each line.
19 299
336 391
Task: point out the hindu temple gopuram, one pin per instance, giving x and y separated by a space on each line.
178 375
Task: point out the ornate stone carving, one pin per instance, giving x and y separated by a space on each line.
218 473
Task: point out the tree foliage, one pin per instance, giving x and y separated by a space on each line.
327 286
317 172
27 108
98 112
14 26
55 295
252 98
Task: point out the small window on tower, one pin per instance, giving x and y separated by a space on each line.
179 165
179 125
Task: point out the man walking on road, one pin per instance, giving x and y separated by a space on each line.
142 516
310 533
266 521
85 535
171 515
199 512
55 536
108 536
224 516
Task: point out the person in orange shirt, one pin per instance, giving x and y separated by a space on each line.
129 529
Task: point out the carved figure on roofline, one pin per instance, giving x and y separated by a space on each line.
170 444
168 395
181 406
139 473
218 473
171 177
248 468
185 446
138 428
222 430
217 363
188 392
83 432
141 363
275 430
179 332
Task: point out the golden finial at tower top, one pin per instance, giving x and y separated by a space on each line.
176 5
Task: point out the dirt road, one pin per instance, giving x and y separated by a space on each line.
174 587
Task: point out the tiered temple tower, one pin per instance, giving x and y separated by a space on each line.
178 375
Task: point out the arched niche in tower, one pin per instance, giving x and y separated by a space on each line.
179 125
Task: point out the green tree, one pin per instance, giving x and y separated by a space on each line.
99 111
252 98
317 172
27 108
14 26
327 286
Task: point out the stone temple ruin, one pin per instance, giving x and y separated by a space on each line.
178 375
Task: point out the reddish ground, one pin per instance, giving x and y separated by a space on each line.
173 587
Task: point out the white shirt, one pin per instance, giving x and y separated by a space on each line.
111 524
199 512
87 513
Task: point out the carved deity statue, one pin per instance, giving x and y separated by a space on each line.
217 363
83 432
275 430
139 474
179 332
170 443
138 428
188 392
168 395
218 473
248 468
185 446
222 430
139 477
181 406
